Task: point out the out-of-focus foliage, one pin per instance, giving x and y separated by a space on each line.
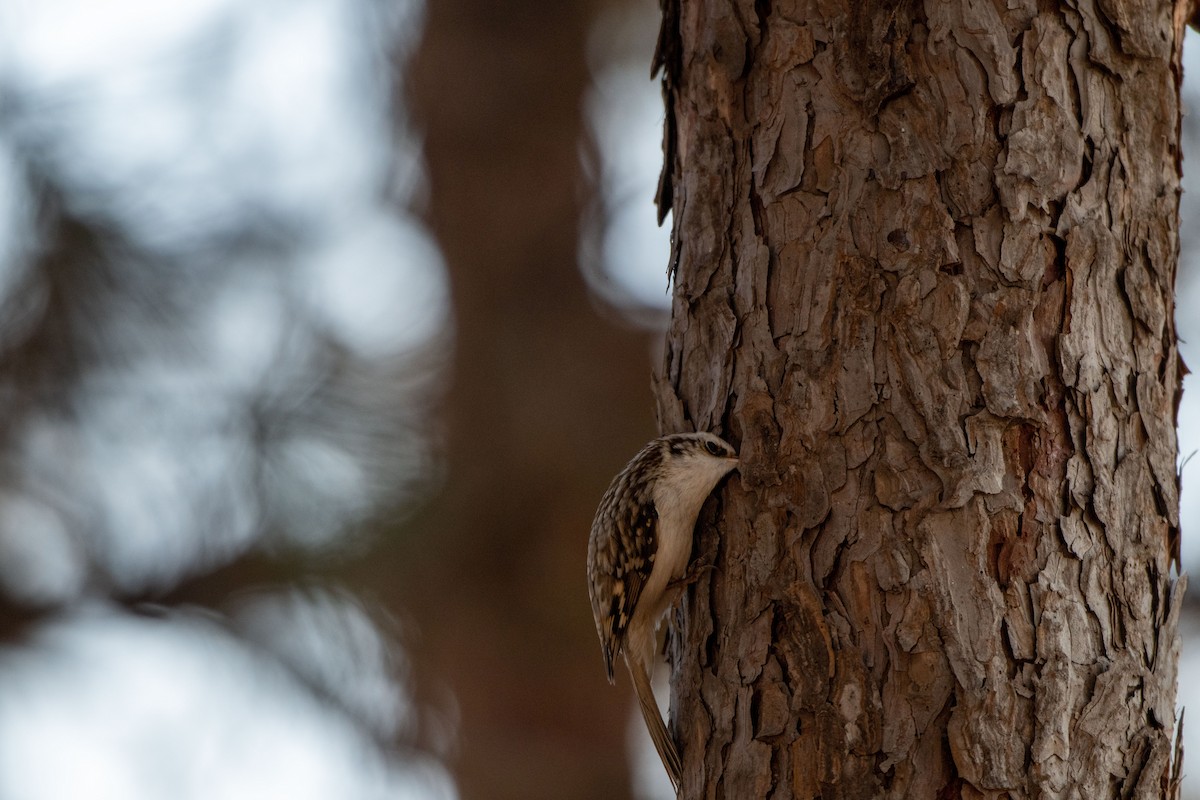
217 325
220 335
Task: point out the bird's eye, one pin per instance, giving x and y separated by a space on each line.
713 449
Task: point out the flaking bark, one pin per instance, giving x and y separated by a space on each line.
924 263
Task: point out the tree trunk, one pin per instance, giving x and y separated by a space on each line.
547 396
924 265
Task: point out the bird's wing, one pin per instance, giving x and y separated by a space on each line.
628 556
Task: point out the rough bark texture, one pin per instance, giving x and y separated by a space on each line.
924 265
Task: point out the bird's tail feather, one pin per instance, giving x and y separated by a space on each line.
654 721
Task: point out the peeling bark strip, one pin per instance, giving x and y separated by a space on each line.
925 259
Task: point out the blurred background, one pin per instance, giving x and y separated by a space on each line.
278 518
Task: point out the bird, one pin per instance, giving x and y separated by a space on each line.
638 556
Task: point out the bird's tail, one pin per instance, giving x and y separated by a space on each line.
654 721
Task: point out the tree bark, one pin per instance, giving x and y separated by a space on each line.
924 267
